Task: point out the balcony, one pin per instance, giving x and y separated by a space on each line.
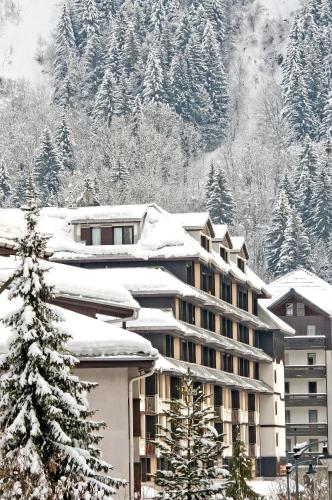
252 450
150 448
219 410
315 429
306 399
252 417
305 371
151 404
305 342
239 417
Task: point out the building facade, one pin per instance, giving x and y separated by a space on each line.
304 301
199 306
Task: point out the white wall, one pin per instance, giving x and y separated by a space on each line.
300 415
300 357
300 385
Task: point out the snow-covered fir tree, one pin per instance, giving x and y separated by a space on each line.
219 199
321 214
104 104
65 147
48 169
153 85
5 188
276 234
191 447
240 471
295 250
89 197
49 442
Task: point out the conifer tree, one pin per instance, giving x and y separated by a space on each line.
326 126
48 169
136 115
276 233
90 21
153 85
321 214
104 104
215 12
191 448
219 200
48 446
93 63
295 250
89 197
240 469
5 188
65 147
304 202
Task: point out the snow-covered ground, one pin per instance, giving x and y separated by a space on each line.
24 37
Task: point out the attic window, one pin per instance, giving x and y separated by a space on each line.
224 254
240 264
290 309
102 235
123 235
205 243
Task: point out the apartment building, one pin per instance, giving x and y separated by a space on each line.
304 301
199 307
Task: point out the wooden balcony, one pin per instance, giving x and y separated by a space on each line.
315 429
306 399
305 371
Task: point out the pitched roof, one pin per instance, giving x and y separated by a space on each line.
91 338
304 283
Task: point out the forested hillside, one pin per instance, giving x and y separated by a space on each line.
223 105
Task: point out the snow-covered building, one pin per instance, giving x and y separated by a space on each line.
304 301
199 308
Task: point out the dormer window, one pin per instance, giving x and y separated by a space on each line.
205 242
241 264
224 254
107 235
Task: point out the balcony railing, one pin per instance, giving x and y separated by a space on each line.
314 429
305 342
150 448
236 416
307 371
306 399
151 404
252 450
252 418
219 412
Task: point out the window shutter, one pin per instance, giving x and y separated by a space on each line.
106 235
86 235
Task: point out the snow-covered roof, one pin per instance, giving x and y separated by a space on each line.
90 337
108 213
307 285
157 320
77 283
220 231
273 320
237 242
211 375
192 220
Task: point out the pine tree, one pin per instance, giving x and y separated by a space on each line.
93 63
219 200
215 12
326 126
90 21
65 147
89 197
5 188
287 185
48 169
48 445
295 250
153 85
240 469
304 202
191 448
136 115
276 233
320 221
104 104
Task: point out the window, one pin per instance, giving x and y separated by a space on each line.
289 309
175 388
252 434
242 298
227 362
123 235
243 367
208 320
226 290
312 387
235 400
243 334
240 264
314 445
224 254
96 236
286 387
286 358
150 426
146 469
313 416
275 408
208 357
256 371
311 330
251 402
277 439
205 242
190 274
287 416
218 401
188 352
227 328
187 312
219 427
207 280
311 356
235 432
254 304
300 310
275 376
169 346
151 385
288 445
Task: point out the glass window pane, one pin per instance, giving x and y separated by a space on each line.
311 330
117 236
289 309
300 309
128 235
96 236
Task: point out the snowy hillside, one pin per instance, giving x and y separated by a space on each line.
26 28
